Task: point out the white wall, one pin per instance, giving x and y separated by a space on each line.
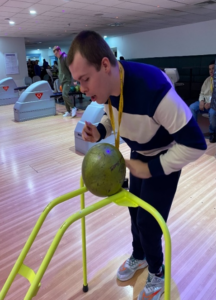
192 39
13 45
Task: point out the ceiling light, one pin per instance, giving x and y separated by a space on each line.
38 49
105 36
12 22
32 12
115 24
49 47
208 2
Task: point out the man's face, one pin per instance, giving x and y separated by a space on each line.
211 70
93 83
57 53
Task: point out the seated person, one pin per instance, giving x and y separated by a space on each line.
203 105
55 68
37 69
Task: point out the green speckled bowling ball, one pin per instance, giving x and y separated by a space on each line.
103 170
77 88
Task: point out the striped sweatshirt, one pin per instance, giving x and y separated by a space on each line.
154 119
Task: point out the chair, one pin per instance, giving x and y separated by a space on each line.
56 87
36 78
28 80
173 75
46 77
50 74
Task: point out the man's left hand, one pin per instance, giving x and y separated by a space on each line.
138 168
207 105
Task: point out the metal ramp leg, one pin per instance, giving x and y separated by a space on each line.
123 198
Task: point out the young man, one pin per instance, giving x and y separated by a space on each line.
65 80
158 127
202 106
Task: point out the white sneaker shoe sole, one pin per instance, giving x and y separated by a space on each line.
124 278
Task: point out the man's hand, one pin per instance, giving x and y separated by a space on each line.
138 168
202 105
207 105
90 133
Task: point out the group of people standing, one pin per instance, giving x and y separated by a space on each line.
35 70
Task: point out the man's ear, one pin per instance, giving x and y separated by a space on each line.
105 64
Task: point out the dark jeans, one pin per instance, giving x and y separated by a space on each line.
158 192
194 107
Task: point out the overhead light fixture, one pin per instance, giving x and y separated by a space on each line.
105 36
32 12
204 3
49 47
12 22
115 24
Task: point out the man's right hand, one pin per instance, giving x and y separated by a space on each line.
90 133
202 105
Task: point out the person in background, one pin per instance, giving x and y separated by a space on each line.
66 80
45 64
158 127
37 69
121 58
202 106
55 67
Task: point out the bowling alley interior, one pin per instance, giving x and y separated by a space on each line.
58 240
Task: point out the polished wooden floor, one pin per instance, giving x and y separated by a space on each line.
38 162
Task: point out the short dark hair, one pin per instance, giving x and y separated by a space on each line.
212 62
56 48
91 46
121 57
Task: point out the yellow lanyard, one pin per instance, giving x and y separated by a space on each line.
212 84
121 103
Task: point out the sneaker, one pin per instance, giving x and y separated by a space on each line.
73 112
67 114
153 289
129 267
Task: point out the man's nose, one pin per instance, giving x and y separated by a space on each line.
83 89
